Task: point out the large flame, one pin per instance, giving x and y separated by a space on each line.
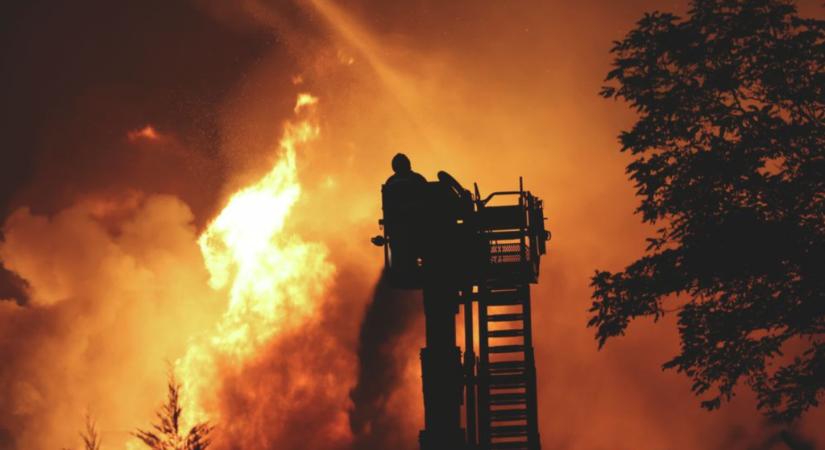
274 280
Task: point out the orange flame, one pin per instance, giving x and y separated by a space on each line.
273 279
304 100
148 132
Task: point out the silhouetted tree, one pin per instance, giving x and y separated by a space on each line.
729 163
90 436
91 439
166 433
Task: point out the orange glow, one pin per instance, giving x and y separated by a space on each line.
148 132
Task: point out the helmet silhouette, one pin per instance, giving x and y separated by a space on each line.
401 164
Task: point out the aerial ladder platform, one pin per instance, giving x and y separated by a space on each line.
480 255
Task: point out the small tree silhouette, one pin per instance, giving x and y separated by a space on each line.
166 433
91 439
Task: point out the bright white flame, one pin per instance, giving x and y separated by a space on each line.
274 280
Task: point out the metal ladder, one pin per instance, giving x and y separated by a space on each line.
507 406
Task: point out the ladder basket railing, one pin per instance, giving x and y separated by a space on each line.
508 253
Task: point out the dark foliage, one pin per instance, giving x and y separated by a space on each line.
729 163
166 433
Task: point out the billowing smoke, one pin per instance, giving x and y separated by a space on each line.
105 311
376 420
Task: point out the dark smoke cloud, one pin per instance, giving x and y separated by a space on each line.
771 436
78 76
391 314
12 287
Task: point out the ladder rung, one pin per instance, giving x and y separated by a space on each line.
502 298
514 371
506 365
507 349
505 285
508 431
507 381
505 317
501 235
510 445
505 333
508 399
508 414
508 373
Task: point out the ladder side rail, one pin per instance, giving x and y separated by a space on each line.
524 229
470 368
483 382
530 367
